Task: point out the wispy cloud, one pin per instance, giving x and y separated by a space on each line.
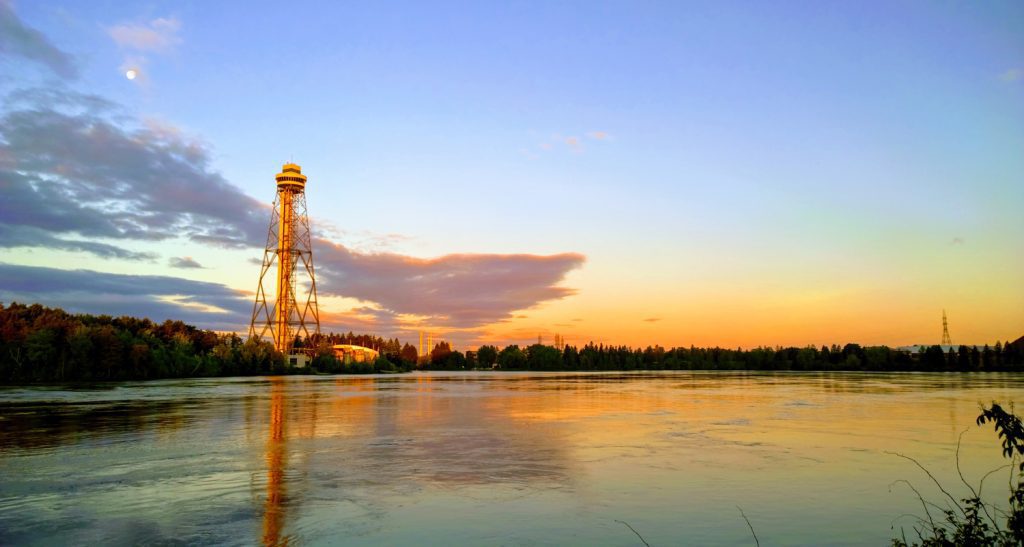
159 35
363 319
13 236
361 240
1012 75
21 41
957 241
183 262
652 319
210 305
572 142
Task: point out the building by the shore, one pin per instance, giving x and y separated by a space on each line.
351 353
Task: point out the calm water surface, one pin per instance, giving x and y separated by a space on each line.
489 458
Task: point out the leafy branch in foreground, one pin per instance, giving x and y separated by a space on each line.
970 521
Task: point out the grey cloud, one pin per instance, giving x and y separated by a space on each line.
87 291
183 262
28 236
70 166
458 291
20 40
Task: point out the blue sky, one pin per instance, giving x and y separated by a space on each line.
741 173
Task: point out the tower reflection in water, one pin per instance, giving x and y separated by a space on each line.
273 509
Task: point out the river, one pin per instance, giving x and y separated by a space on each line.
491 458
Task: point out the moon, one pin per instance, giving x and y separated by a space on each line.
131 73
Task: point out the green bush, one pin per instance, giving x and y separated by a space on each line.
971 521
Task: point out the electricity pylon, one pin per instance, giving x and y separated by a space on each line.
945 331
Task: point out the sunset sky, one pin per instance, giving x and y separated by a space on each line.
718 173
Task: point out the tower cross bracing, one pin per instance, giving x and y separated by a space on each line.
293 310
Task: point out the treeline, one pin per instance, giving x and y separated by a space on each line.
851 357
40 344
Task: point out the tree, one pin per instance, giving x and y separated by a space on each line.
541 357
381 364
511 357
409 355
487 356
139 356
456 360
41 351
440 352
570 358
806 358
80 350
963 358
324 359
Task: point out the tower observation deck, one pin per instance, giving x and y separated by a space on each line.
293 312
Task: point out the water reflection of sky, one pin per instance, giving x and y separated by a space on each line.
482 458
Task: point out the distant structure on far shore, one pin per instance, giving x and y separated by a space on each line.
428 343
289 247
945 331
347 353
426 346
946 344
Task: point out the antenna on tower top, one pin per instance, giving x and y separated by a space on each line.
945 331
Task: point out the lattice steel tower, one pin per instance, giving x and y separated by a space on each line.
289 247
945 331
